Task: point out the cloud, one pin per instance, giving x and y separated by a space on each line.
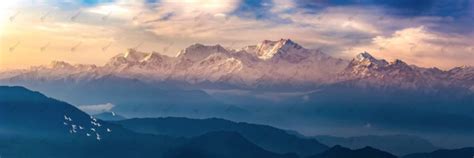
96 109
340 28
420 46
190 7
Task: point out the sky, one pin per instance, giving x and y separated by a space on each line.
428 33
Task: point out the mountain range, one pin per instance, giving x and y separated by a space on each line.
269 64
442 153
267 137
45 127
396 144
274 139
342 152
278 83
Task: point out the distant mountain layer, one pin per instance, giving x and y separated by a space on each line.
444 153
136 98
222 145
395 144
341 152
267 137
33 125
45 127
278 83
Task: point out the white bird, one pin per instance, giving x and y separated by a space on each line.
97 136
65 123
108 130
87 134
67 118
98 124
113 113
93 129
80 127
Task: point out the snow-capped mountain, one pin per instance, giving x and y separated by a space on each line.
283 49
56 70
367 71
267 64
463 76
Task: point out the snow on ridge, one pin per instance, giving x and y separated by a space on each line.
267 63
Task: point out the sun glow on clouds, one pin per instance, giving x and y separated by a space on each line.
7 13
114 26
111 9
191 7
422 47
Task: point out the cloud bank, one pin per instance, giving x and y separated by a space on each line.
96 109
428 33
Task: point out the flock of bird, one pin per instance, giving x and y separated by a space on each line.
94 130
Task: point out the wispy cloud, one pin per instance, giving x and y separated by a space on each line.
420 46
429 32
96 109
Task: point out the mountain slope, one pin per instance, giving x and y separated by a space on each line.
341 152
45 127
274 82
135 98
267 137
395 144
443 153
222 145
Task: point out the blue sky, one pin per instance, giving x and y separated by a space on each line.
423 32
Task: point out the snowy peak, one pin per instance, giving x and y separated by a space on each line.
400 65
267 44
367 60
134 55
367 71
267 49
398 62
198 52
154 57
463 75
366 63
284 49
364 56
462 70
60 65
130 57
267 64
